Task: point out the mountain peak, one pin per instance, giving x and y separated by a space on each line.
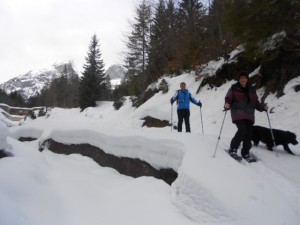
32 82
115 71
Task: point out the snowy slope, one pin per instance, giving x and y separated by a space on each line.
46 188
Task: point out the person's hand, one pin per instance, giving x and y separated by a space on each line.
172 101
266 107
199 104
227 106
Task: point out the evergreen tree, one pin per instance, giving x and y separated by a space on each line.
164 31
62 91
172 33
162 45
136 57
92 82
191 28
106 95
157 56
73 91
214 36
12 99
67 81
257 20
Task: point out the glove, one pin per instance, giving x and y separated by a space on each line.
199 104
172 101
226 106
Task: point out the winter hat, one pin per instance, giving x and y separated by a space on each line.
243 74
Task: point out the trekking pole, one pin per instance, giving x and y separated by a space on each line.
171 117
214 155
271 132
201 121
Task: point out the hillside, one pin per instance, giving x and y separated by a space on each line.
75 190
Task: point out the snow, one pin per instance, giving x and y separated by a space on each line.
211 67
235 52
5 120
272 42
3 135
115 82
47 188
255 72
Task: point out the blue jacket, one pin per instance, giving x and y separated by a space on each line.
183 99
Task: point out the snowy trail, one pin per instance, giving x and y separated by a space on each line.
218 182
198 203
287 189
280 162
279 178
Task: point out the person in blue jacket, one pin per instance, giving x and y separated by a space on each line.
183 98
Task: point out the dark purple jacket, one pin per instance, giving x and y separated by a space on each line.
243 102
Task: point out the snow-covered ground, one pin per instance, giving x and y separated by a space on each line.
46 188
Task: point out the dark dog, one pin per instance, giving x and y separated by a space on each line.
281 137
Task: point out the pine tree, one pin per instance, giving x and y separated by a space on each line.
12 99
162 51
158 43
136 57
191 28
92 82
74 91
172 33
257 20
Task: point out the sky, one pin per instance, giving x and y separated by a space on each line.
47 188
35 34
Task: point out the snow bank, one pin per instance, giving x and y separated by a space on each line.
3 136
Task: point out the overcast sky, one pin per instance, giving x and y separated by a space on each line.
35 34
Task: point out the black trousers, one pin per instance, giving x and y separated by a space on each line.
184 114
243 134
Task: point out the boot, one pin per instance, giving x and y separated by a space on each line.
233 154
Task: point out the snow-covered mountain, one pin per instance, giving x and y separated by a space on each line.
116 73
33 82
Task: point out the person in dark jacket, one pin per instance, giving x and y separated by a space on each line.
183 98
242 100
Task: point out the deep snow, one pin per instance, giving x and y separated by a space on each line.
46 188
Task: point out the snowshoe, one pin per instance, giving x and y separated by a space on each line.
234 155
249 159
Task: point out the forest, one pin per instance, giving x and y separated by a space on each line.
169 37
